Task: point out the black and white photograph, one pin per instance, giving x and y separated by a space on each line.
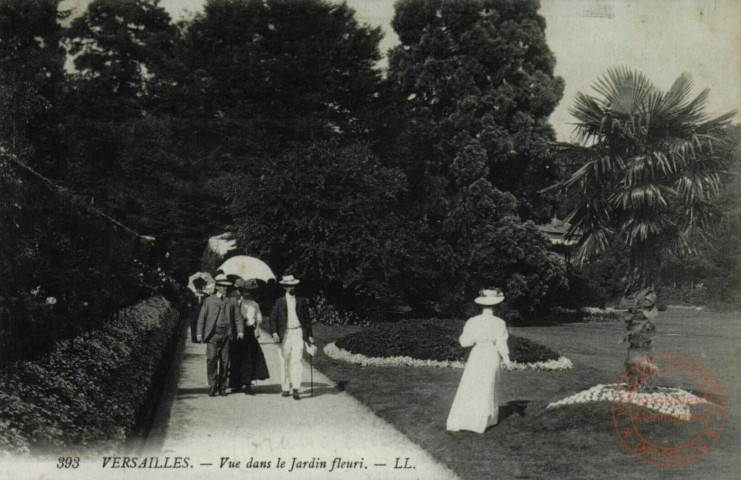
370 239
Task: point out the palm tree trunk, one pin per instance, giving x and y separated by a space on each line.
640 334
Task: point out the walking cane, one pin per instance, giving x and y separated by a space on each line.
311 369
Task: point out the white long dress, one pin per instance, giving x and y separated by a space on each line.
476 403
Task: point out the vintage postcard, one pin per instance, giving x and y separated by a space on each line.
370 239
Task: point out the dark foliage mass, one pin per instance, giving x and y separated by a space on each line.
31 77
472 85
272 120
87 392
66 266
432 339
123 136
713 276
328 213
475 83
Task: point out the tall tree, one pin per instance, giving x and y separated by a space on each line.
479 70
279 71
31 77
472 84
648 171
124 138
278 90
120 49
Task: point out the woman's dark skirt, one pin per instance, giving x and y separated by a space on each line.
247 360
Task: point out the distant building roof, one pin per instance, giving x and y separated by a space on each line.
556 231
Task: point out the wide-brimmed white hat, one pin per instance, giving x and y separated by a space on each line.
223 281
489 297
288 280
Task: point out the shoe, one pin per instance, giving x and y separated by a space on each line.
248 391
222 392
212 391
295 395
285 393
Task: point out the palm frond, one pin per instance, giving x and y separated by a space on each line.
715 125
638 197
677 95
647 167
667 163
592 244
694 187
624 90
651 228
694 112
590 115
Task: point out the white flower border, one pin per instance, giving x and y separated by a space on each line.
337 353
655 401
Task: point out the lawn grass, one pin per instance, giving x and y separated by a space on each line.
530 441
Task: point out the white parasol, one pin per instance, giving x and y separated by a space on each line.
247 267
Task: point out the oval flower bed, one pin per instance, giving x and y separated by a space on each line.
432 343
666 400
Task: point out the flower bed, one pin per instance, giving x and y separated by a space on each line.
88 391
336 353
592 314
666 400
432 343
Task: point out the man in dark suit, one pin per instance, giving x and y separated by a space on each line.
219 322
290 326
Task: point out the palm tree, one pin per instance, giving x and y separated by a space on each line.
648 170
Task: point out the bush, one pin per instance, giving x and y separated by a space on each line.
67 265
327 214
322 311
432 339
87 392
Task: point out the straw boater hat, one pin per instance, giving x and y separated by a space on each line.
249 284
222 281
489 297
288 280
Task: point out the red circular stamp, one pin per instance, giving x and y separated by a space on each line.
669 426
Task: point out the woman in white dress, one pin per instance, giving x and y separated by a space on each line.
476 403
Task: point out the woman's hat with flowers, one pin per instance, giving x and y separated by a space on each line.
489 297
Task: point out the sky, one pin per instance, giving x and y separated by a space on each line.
661 38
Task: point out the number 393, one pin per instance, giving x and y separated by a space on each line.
68 462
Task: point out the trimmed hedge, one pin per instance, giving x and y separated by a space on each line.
87 392
432 339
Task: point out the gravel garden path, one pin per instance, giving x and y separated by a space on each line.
329 434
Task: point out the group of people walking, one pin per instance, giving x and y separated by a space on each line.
228 322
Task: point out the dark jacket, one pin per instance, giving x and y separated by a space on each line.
210 310
279 317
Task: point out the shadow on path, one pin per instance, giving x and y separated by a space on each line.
512 407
